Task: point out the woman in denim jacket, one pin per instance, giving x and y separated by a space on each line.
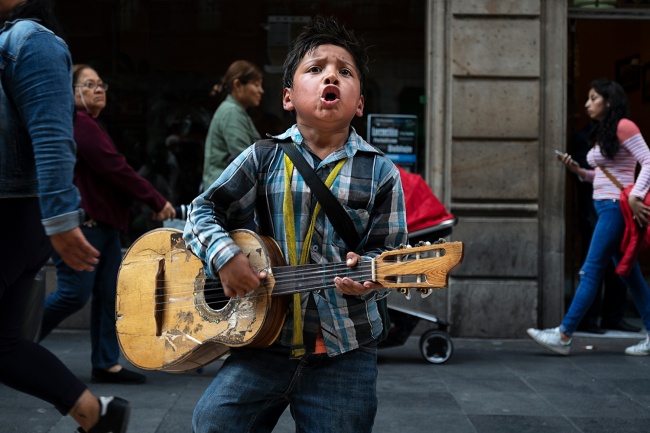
38 200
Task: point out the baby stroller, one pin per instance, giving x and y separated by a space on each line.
427 221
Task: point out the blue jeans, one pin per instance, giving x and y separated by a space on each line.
74 289
604 247
254 386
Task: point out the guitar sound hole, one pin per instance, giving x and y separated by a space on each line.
210 301
217 304
214 296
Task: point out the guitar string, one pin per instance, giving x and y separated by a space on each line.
363 269
213 291
148 313
281 287
278 277
221 298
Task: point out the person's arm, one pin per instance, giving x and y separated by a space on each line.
97 150
41 87
630 137
571 165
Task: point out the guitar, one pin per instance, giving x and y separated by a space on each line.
171 317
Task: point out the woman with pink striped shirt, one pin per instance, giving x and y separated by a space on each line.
617 145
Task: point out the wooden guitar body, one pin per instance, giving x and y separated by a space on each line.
165 319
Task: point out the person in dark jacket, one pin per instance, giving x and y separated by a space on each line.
107 184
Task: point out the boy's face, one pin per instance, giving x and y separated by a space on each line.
326 90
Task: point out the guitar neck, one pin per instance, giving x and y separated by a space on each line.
311 277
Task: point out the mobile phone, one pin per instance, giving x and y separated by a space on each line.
559 153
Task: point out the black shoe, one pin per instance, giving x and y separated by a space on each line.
621 326
123 376
589 327
113 416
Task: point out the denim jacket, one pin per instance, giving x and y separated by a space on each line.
37 149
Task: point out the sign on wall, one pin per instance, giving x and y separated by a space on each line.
395 135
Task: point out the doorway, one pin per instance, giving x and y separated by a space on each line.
601 45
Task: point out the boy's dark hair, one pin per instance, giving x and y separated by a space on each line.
323 31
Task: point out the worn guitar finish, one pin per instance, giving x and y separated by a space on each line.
171 317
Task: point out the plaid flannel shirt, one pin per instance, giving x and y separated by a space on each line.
252 187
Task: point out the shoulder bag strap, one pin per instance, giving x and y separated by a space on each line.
611 177
334 210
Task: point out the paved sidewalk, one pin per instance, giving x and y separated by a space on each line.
486 386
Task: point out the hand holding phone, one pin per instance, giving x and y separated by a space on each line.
561 154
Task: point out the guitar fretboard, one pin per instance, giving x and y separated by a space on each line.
310 277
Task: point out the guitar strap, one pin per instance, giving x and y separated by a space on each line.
298 348
333 208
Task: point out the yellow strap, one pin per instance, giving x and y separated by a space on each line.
298 348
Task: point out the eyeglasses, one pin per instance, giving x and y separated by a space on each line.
92 86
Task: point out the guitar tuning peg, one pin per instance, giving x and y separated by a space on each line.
406 293
424 292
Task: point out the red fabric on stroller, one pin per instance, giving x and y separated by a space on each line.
423 209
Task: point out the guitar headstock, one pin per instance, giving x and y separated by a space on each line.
422 267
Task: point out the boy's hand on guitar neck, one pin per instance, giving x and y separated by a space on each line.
239 277
350 287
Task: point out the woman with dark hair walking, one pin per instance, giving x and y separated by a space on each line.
617 147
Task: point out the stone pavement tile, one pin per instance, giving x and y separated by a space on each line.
504 403
26 418
576 383
633 387
612 424
486 381
643 401
417 402
422 423
596 405
522 424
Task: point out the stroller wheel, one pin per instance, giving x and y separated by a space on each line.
436 346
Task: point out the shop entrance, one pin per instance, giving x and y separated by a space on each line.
601 44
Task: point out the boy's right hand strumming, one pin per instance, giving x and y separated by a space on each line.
239 277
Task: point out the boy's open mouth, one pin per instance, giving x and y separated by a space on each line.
331 93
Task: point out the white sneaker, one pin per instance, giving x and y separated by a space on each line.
641 349
550 339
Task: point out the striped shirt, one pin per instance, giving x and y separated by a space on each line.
370 190
623 167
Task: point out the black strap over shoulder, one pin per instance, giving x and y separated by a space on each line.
334 210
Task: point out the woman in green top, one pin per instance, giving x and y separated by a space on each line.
232 129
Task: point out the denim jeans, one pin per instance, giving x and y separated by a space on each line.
74 289
254 386
604 247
